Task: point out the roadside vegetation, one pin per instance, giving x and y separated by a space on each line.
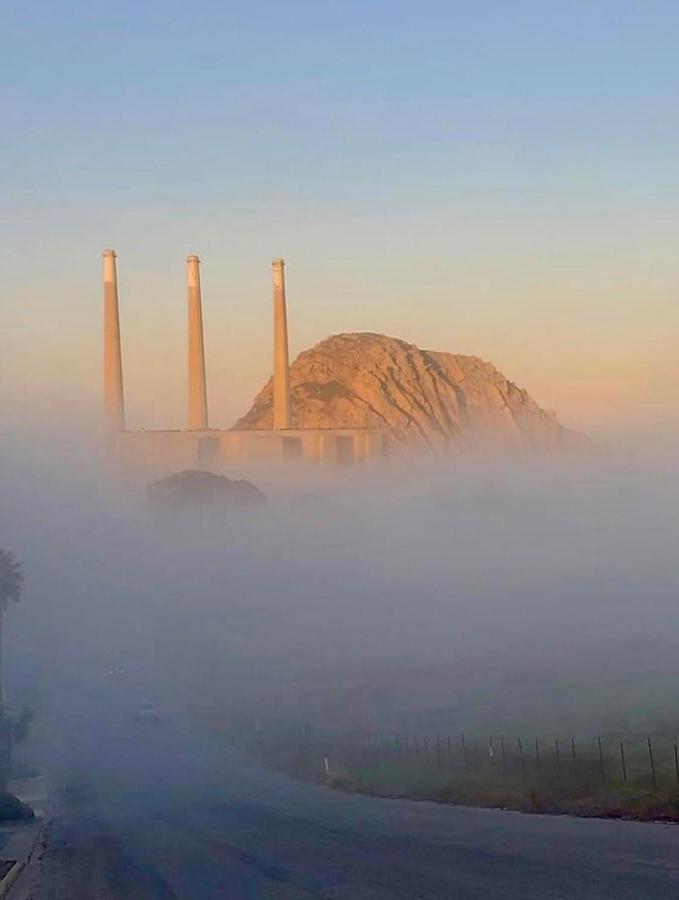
632 776
13 728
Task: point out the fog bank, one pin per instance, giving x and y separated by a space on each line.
433 594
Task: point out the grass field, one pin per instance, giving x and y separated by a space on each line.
635 776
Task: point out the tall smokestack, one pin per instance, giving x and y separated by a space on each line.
114 405
197 388
281 374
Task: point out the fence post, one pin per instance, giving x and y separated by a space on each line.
450 752
504 757
622 760
557 759
491 750
650 756
438 752
601 761
523 763
464 751
537 754
676 761
575 761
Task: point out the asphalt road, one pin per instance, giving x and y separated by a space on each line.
165 811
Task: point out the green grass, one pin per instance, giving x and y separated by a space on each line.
579 787
560 785
585 795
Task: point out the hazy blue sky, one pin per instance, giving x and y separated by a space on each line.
492 178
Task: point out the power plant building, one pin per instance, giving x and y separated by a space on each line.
199 446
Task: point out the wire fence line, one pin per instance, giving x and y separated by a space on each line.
649 760
622 759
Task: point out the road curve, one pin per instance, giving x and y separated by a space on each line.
161 810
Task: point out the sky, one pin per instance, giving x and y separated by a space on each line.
489 178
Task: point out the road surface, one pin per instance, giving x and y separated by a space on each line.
162 810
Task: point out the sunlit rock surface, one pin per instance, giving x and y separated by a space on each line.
197 488
433 399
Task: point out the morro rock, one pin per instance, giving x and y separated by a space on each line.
433 399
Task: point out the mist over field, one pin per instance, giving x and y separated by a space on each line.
442 595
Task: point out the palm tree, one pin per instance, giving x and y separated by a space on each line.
11 584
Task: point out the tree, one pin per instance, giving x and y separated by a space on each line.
11 585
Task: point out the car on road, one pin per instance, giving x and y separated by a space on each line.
146 712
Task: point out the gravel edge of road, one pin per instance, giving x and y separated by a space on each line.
7 883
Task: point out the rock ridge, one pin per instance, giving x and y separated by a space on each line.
424 398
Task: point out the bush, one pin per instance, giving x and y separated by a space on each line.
13 810
341 781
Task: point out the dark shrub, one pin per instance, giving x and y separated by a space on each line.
204 488
13 810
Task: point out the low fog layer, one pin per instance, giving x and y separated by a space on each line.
487 596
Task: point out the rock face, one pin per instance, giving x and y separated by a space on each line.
435 400
197 488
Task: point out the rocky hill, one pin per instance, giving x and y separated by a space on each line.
421 396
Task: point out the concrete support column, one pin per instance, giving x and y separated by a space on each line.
311 446
114 404
197 412
360 447
329 448
281 364
374 446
